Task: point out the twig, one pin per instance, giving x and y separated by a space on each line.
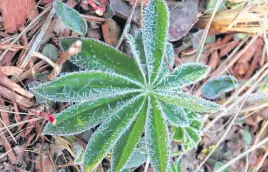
242 155
264 126
5 81
147 164
223 137
262 160
7 147
74 49
203 38
127 24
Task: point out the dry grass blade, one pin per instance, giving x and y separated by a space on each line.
248 20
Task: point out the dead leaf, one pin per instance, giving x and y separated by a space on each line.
111 32
15 13
183 15
10 70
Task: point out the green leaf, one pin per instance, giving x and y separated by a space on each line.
188 101
70 17
218 165
178 166
178 133
137 49
79 154
212 5
175 115
98 55
138 157
154 34
167 63
87 85
110 131
247 137
51 52
83 116
157 138
126 144
185 75
215 87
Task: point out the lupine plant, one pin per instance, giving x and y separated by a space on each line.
129 98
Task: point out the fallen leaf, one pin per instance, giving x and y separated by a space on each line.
183 16
15 13
111 32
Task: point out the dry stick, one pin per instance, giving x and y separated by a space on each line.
222 66
239 54
74 49
39 37
261 132
147 165
204 35
7 147
41 56
8 131
242 155
126 25
19 123
24 31
5 81
223 137
262 160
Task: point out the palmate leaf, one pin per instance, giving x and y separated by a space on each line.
126 144
110 131
129 99
97 55
85 115
157 137
185 75
188 101
87 85
175 115
190 135
154 33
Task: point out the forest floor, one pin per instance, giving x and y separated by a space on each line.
229 36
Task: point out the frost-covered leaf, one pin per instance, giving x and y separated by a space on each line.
190 102
138 157
186 74
98 55
154 34
109 132
215 87
79 154
157 138
168 62
188 136
83 116
175 115
70 17
86 85
183 16
125 146
137 50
